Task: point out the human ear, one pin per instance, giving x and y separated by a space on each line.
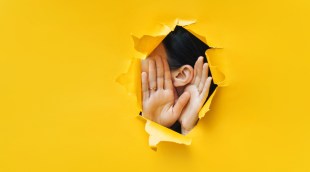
182 76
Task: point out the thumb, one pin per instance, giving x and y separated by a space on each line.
180 104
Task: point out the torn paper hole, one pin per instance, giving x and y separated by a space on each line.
146 45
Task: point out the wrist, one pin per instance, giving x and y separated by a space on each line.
184 131
188 124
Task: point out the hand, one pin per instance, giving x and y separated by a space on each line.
158 93
199 90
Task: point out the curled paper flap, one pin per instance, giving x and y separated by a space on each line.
146 44
216 65
160 133
132 79
206 106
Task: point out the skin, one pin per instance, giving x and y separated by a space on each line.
169 96
199 90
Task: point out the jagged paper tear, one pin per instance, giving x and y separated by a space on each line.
132 80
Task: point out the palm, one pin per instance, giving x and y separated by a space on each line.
199 89
158 94
160 103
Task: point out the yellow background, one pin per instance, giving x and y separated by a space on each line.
61 109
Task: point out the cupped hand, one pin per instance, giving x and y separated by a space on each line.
158 93
199 90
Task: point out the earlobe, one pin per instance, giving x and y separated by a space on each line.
182 76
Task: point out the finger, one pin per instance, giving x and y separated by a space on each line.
152 76
167 76
205 92
159 72
203 77
180 104
145 66
145 86
198 70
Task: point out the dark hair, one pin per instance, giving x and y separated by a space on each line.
184 48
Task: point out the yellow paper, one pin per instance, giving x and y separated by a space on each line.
62 111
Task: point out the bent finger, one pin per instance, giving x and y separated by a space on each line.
152 76
167 75
203 77
145 86
198 70
206 88
145 65
180 104
159 72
